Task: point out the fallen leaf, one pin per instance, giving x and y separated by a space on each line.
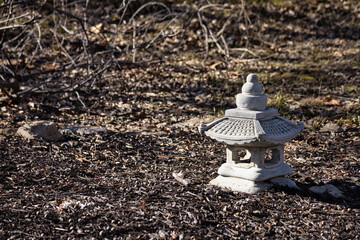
328 100
96 28
213 66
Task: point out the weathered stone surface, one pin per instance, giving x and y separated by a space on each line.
327 189
40 129
240 185
82 130
331 127
255 138
251 97
284 182
254 174
251 121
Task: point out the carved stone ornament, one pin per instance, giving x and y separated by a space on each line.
255 137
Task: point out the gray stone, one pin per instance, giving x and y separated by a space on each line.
284 182
40 129
253 173
82 130
240 185
331 127
327 189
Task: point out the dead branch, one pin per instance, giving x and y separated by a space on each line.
246 20
59 39
134 24
206 35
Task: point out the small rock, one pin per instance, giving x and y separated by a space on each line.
284 182
331 127
327 189
82 130
39 129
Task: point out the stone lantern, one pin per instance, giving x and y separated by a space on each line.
254 136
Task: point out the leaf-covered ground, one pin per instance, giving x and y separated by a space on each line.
119 185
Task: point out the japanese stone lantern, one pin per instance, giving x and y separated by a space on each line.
254 136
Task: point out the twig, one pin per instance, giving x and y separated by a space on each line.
14 18
146 5
134 25
161 33
246 26
79 19
227 53
180 178
134 41
7 69
205 32
34 87
216 42
39 37
17 25
208 6
81 101
123 6
105 67
60 45
12 26
244 50
221 31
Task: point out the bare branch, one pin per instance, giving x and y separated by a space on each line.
205 32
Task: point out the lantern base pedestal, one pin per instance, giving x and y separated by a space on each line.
252 187
253 173
240 185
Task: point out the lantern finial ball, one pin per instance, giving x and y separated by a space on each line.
253 78
252 85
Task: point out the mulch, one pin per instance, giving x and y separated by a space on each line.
120 185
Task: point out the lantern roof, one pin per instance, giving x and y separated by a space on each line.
251 121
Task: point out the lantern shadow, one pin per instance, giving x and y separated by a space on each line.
349 190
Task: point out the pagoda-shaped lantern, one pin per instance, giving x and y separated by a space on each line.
254 136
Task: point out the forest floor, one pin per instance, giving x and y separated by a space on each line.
119 183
